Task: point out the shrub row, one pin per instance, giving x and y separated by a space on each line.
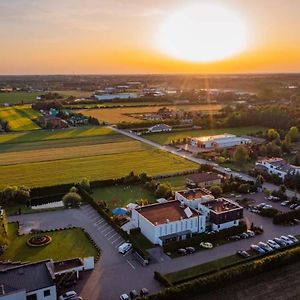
286 217
221 279
195 240
162 279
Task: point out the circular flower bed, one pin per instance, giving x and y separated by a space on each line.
39 241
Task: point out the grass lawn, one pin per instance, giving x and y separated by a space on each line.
65 244
19 118
107 166
18 97
177 183
198 270
166 138
121 195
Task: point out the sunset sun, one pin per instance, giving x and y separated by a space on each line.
202 33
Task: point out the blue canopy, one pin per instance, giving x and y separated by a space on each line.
119 211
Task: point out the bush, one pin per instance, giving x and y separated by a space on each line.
286 217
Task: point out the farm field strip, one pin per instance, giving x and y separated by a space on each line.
46 135
62 143
19 118
152 161
117 115
53 154
166 138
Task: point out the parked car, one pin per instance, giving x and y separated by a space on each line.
250 233
227 169
293 206
287 240
280 242
267 206
293 238
124 297
144 292
297 208
190 250
273 244
244 235
133 294
265 246
243 253
125 247
206 245
234 238
257 249
181 251
285 203
261 205
296 221
68 295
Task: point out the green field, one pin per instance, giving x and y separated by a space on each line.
166 138
62 134
18 97
121 195
177 182
107 166
66 244
19 118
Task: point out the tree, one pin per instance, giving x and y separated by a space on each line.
164 190
144 177
240 154
293 134
85 184
297 159
216 191
272 134
244 188
72 199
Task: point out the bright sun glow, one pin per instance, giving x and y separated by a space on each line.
202 33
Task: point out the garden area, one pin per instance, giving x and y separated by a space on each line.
121 195
64 244
177 183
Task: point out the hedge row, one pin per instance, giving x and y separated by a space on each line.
221 279
286 217
195 240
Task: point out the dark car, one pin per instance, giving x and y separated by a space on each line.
133 294
144 292
234 238
243 254
181 251
190 250
244 235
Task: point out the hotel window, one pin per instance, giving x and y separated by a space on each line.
46 293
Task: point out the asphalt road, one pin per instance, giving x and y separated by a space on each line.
115 274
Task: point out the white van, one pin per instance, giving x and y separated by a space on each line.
125 247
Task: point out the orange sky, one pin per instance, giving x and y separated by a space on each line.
118 36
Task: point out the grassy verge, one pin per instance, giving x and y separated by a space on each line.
66 244
177 182
198 270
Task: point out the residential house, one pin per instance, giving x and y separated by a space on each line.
203 179
47 121
276 166
34 281
221 213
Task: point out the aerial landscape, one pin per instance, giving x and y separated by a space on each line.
149 150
